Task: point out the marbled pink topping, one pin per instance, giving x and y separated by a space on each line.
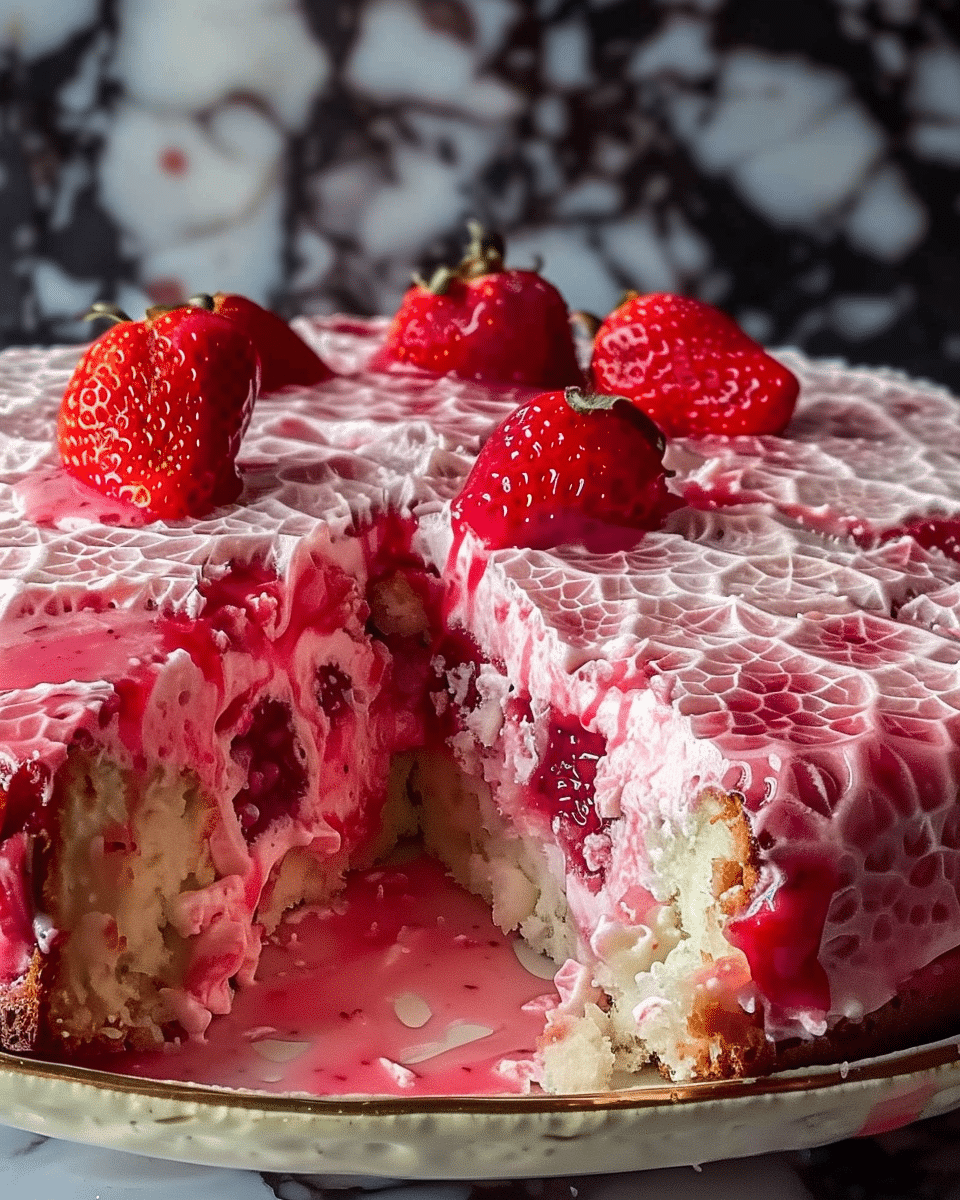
777 637
81 646
868 455
54 669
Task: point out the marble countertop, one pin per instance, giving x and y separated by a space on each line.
800 173
922 1160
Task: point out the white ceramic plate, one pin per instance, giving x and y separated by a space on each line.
645 1126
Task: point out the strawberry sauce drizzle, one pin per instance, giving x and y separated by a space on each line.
23 796
273 758
456 660
781 937
932 533
563 788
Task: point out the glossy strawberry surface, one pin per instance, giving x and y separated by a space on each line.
155 411
691 368
564 468
484 322
285 358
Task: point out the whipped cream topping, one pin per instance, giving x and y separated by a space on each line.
865 451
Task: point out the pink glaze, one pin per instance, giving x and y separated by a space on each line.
51 497
781 938
82 646
403 987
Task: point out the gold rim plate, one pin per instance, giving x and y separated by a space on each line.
650 1124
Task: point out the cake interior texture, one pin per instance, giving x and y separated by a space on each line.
714 778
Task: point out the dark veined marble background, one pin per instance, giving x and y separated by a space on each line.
796 162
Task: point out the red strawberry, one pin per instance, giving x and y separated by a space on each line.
691 368
285 358
155 411
566 467
484 322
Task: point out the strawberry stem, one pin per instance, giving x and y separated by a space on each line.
484 256
584 402
107 310
587 402
439 282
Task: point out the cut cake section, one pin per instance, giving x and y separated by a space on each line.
180 806
196 731
757 830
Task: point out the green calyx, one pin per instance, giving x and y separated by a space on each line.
439 282
104 310
201 300
484 256
587 402
107 311
484 253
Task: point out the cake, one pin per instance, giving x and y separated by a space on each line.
714 776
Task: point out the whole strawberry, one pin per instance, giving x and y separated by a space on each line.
484 322
285 358
566 467
691 368
156 409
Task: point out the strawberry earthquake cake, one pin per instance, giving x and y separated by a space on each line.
658 650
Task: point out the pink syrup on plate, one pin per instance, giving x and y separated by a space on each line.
403 986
